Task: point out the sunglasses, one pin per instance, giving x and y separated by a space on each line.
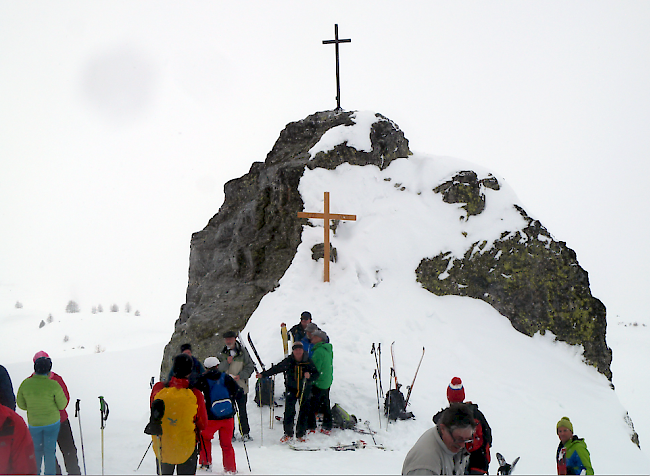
459 440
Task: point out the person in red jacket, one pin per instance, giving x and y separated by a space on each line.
16 445
178 416
65 439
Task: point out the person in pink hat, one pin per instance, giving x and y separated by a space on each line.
479 447
65 439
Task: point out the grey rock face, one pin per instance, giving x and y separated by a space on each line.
248 245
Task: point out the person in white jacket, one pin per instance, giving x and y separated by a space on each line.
441 449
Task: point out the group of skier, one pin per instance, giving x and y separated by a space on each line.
196 402
308 371
199 400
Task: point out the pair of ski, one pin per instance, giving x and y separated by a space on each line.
355 445
376 351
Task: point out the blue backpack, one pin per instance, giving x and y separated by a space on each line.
221 405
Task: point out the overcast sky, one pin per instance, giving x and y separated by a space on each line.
121 121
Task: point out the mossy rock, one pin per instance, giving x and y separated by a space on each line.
534 281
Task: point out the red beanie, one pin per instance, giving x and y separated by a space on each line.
39 354
455 391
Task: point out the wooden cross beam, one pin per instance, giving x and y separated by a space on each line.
327 216
336 42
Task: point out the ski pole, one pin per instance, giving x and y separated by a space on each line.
378 399
240 431
77 414
381 388
145 454
103 410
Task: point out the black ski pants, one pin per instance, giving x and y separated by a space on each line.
320 403
68 449
290 413
189 467
243 415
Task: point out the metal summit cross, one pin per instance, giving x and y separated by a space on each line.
336 42
326 217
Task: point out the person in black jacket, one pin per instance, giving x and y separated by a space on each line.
220 392
197 368
479 448
7 395
299 372
297 332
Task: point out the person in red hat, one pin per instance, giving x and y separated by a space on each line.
65 439
479 447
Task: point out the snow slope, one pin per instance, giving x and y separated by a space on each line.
523 385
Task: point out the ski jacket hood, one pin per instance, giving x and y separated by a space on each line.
323 358
16 445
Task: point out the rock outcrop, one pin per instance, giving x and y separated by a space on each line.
248 245
245 249
527 276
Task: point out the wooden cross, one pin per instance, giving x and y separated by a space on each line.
327 216
336 42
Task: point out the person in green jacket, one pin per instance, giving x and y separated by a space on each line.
572 454
323 358
43 399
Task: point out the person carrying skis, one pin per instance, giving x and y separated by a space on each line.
441 449
323 358
235 360
479 448
43 399
16 445
572 454
65 438
179 414
299 373
197 367
220 391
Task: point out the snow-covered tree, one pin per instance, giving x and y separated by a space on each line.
114 308
72 307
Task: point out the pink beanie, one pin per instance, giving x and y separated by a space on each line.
39 354
455 391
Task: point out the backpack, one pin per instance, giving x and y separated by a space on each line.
395 406
178 440
220 404
342 419
264 391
